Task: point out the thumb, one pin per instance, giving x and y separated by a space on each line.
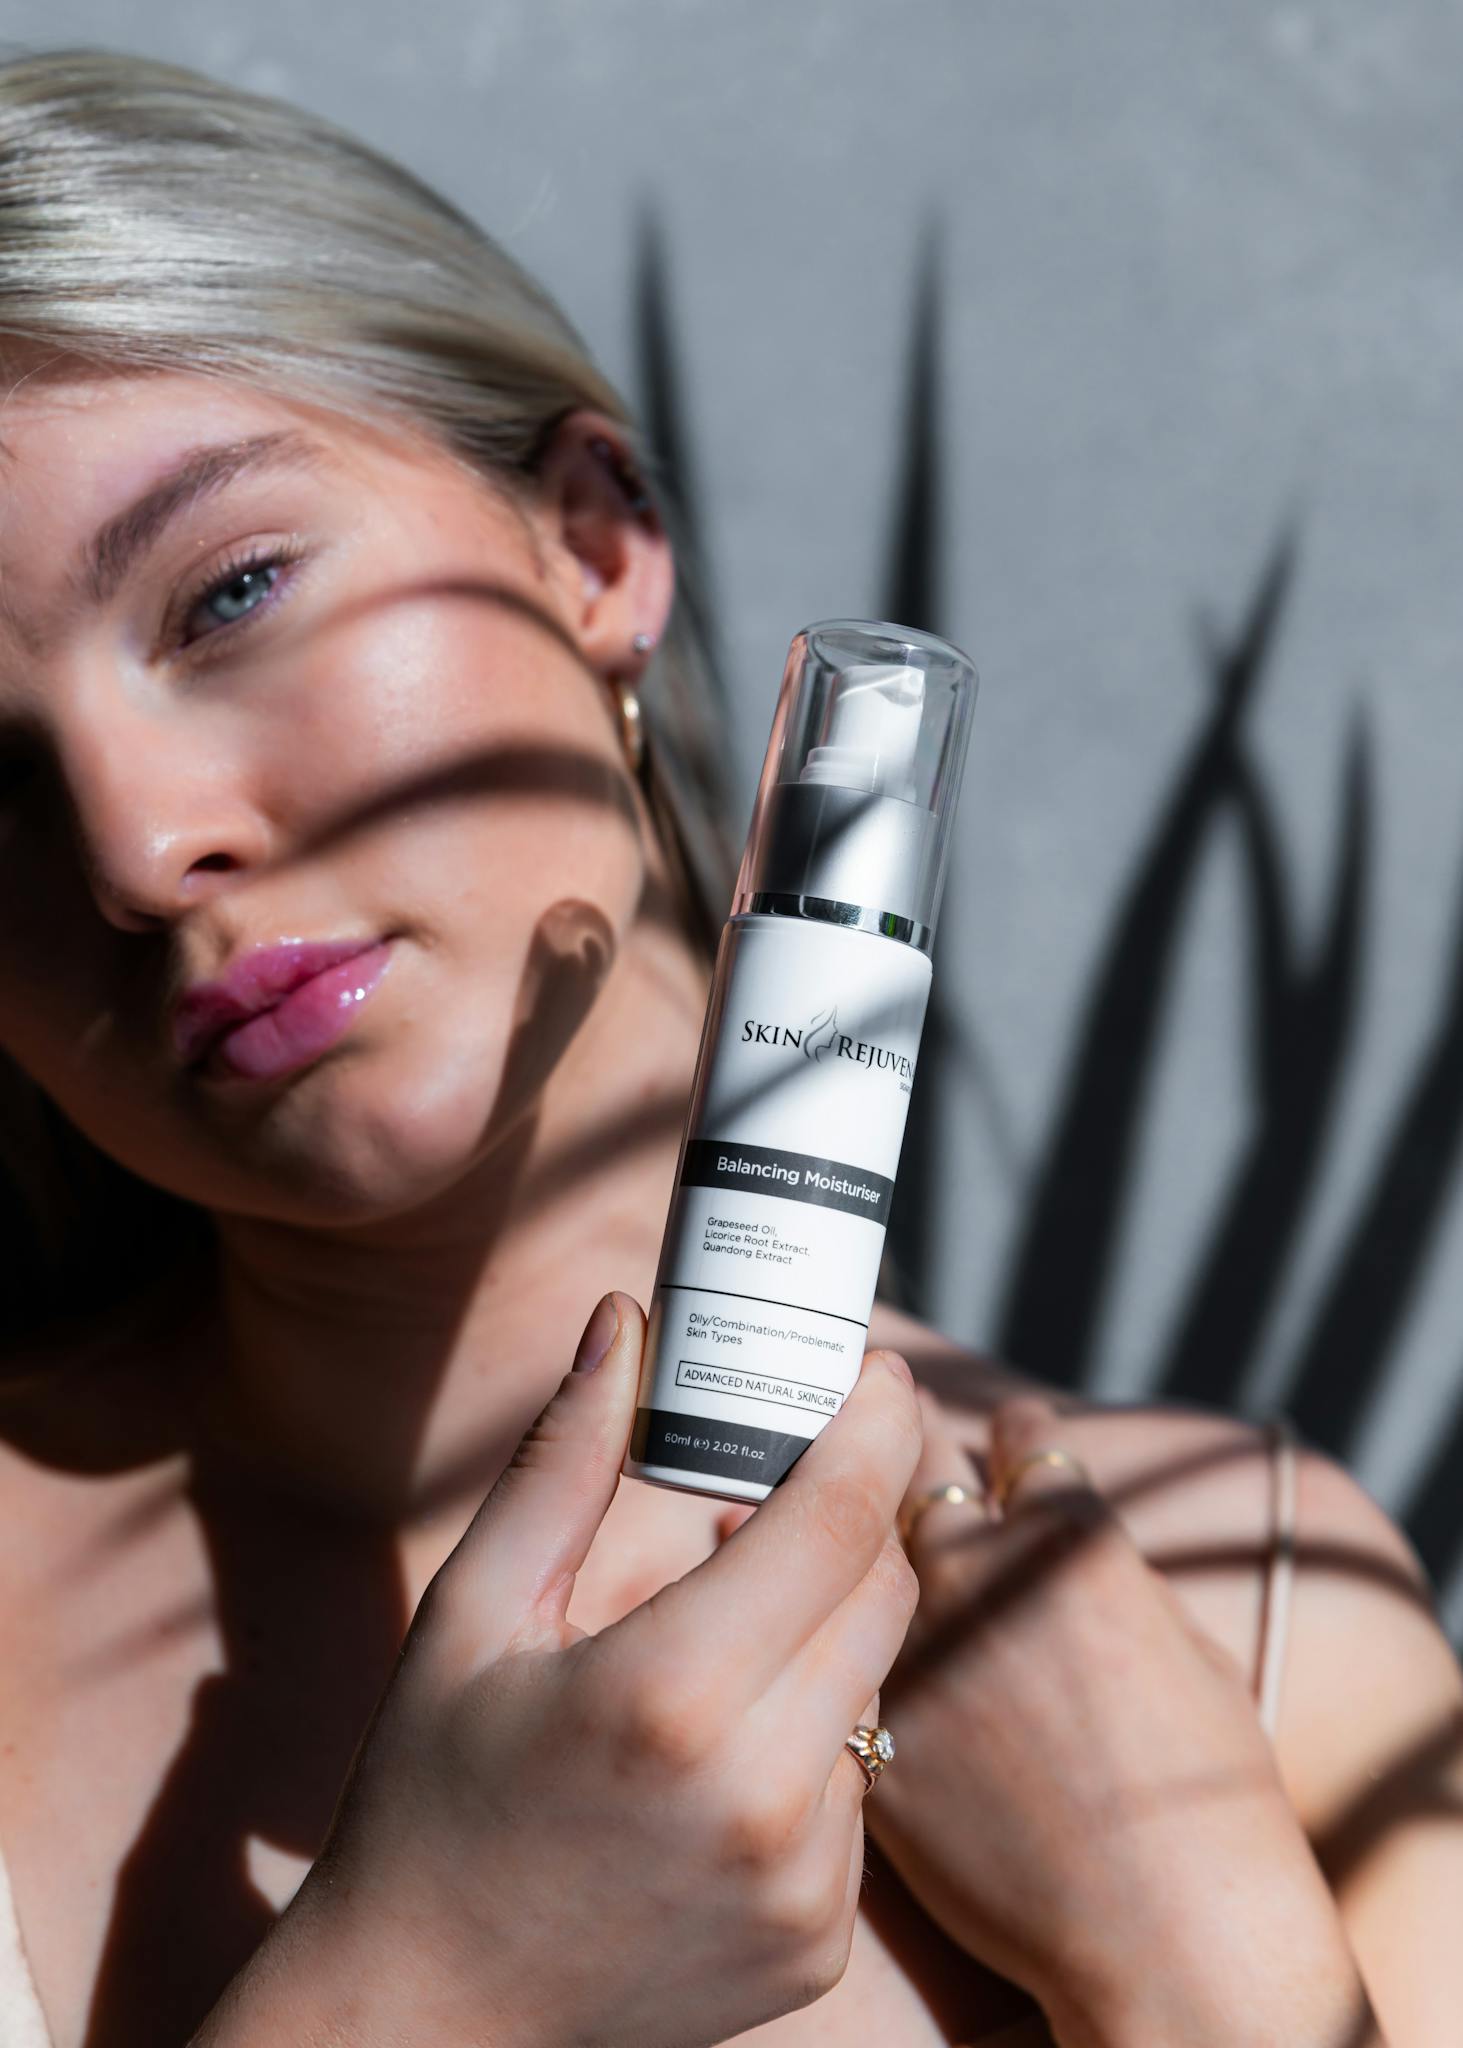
512 1574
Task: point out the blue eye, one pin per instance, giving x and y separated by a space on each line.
242 588
248 583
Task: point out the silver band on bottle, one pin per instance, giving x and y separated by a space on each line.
860 916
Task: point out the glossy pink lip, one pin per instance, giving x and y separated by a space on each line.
296 1031
253 986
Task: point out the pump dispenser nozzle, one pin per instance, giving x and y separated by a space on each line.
851 821
872 731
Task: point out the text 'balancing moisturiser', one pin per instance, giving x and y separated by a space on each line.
759 1320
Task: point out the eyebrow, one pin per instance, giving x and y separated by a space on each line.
200 472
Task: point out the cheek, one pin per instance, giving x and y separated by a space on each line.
472 800
498 869
459 1060
495 783
463 751
511 930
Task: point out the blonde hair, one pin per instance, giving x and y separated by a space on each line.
153 218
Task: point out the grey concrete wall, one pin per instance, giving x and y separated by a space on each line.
1196 302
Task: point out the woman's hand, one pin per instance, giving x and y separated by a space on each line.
652 1835
1083 1796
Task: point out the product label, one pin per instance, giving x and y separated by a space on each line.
797 1176
771 1256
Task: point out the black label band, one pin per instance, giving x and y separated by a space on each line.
722 1450
797 1176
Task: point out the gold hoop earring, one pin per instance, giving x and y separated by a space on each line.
632 723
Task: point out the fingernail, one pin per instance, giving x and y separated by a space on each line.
599 1333
898 1365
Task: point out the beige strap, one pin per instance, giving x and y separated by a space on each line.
22 2018
1280 1572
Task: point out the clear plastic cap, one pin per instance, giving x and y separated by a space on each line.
862 776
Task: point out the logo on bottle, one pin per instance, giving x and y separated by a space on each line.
821 1039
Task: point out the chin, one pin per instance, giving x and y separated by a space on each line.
371 1135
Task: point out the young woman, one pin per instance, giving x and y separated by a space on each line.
345 1697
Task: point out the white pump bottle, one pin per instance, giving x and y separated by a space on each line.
767 1272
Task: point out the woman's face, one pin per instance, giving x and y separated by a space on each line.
394 734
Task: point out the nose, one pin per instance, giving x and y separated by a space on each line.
158 812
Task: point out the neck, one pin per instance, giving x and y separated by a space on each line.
388 1371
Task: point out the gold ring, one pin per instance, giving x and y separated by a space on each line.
1007 1483
872 1748
952 1490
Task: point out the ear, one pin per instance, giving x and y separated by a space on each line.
604 542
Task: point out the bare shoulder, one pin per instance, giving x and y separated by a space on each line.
1369 1738
1373 1728
1373 1692
1371 1743
1193 1487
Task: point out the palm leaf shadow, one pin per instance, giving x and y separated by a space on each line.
1376 1270
914 579
1434 1513
1303 1028
663 408
1065 1255
1303 1016
914 597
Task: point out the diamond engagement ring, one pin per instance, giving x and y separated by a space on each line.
873 1747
